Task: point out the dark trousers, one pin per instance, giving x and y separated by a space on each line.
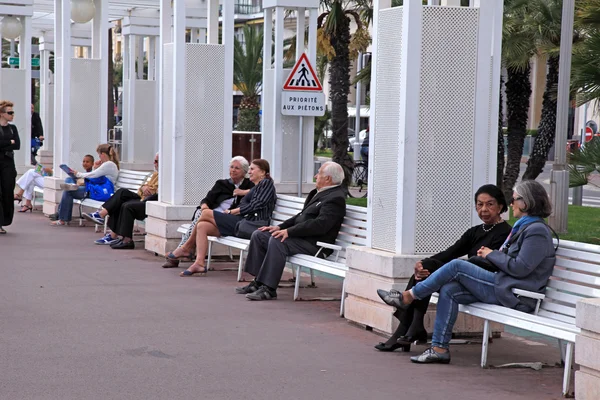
267 256
405 316
8 175
124 207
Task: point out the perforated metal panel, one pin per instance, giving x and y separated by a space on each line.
204 119
386 153
446 119
12 88
85 106
145 124
166 156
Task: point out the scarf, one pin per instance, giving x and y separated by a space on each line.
521 223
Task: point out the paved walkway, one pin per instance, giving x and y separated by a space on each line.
80 321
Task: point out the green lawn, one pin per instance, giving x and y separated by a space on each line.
328 153
583 225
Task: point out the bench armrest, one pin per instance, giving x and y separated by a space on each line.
323 245
532 295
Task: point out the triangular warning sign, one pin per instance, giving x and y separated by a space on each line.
303 77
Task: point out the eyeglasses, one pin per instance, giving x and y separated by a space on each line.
10 112
515 199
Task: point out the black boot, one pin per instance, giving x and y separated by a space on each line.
416 332
405 317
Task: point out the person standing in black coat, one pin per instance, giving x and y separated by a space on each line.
319 221
9 141
37 134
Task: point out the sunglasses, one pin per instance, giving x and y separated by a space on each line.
515 199
10 112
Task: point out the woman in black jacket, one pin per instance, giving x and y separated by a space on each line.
224 195
257 205
9 141
490 204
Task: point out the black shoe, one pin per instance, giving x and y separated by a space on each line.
123 245
420 338
251 288
392 298
53 217
263 293
392 347
430 356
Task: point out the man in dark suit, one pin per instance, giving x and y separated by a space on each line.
37 134
319 221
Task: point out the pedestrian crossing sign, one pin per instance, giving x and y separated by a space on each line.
303 77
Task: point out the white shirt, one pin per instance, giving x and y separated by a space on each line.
108 169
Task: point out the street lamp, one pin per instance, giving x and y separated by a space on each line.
11 27
82 11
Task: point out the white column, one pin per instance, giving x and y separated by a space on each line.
129 77
450 3
25 107
213 25
274 153
228 42
151 58
100 52
62 55
45 97
140 57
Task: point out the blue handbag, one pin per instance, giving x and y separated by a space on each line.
99 189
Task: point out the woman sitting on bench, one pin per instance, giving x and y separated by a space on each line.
525 261
224 195
489 204
106 165
257 205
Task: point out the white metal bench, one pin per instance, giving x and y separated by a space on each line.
353 231
576 276
127 179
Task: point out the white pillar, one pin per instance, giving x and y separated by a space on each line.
213 18
407 144
25 106
196 85
100 52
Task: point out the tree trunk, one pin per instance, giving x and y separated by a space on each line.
547 128
518 93
500 160
111 103
339 84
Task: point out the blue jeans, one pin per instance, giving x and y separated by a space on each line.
65 208
459 282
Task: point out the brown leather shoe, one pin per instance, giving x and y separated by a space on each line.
171 264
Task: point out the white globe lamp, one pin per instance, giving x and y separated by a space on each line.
82 11
11 27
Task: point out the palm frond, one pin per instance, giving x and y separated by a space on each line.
248 62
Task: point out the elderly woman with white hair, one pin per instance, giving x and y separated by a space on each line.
226 194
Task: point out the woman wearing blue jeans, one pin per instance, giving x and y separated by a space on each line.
525 261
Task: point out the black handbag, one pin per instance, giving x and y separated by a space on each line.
245 228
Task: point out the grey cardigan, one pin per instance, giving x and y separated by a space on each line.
527 265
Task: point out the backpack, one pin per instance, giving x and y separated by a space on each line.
99 189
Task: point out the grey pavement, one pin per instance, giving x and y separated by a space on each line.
81 321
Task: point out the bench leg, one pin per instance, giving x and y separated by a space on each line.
209 255
485 343
568 365
230 254
562 348
312 278
343 298
105 224
297 285
241 266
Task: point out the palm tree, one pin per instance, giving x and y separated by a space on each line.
544 19
247 77
517 49
340 47
583 163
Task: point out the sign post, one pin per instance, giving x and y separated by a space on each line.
302 96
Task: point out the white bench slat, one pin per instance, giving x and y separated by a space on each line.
558 308
563 297
576 277
583 247
558 317
573 288
577 255
578 266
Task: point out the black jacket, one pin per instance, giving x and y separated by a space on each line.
223 190
321 218
8 133
36 125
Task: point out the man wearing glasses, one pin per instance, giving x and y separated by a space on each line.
123 208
